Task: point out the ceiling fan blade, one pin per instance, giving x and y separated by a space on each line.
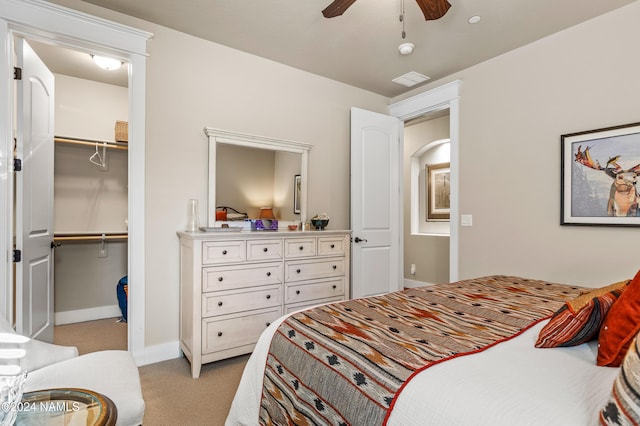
337 8
433 9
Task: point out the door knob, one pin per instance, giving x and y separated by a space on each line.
358 239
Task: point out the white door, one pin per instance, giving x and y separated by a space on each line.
375 203
34 195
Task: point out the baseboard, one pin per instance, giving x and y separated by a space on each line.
90 314
158 353
412 283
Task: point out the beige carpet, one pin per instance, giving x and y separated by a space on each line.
171 396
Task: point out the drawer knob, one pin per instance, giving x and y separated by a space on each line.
219 333
220 279
297 291
219 303
268 324
335 267
268 296
333 246
334 286
301 247
298 271
268 274
265 249
224 252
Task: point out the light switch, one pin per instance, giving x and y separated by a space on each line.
466 220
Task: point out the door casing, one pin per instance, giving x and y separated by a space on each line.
37 19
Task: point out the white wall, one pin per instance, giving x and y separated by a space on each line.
513 110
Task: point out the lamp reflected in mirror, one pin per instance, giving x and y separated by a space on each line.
266 220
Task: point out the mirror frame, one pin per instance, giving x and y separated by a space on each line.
216 136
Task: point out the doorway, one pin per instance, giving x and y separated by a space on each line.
62 26
426 227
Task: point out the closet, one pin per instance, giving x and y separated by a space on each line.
90 200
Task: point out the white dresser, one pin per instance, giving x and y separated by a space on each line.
234 284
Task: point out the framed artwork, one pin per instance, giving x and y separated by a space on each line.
296 194
438 192
599 173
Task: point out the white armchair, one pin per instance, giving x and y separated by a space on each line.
112 373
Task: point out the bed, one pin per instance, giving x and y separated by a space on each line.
451 354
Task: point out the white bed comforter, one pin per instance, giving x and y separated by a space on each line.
512 383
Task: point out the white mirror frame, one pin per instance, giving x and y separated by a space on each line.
217 136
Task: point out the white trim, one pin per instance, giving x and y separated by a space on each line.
89 314
414 284
158 353
60 25
439 98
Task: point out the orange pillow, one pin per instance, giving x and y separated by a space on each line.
620 325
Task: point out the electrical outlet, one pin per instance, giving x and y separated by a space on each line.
413 269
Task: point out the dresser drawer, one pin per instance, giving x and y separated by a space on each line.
331 246
299 247
216 278
318 289
222 252
229 302
317 268
233 331
264 250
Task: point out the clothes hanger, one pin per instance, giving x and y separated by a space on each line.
101 161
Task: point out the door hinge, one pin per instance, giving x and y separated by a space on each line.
17 165
17 73
17 256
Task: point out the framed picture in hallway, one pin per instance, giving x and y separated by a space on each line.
599 173
438 191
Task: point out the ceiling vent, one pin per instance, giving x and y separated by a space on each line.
410 79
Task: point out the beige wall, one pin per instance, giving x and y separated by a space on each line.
430 253
513 110
193 83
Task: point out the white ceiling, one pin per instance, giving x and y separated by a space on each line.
359 48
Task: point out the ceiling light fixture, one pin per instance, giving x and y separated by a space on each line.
106 63
404 48
474 19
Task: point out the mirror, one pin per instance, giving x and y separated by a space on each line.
247 172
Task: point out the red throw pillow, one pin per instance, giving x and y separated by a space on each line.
621 324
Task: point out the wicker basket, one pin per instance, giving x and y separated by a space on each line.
122 131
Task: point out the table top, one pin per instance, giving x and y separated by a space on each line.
68 406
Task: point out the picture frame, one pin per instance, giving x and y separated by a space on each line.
297 187
599 173
438 192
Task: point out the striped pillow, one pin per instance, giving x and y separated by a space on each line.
579 320
623 407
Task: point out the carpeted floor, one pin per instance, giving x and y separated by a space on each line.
171 396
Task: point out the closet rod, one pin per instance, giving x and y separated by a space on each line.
88 237
114 145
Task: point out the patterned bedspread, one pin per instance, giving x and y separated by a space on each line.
344 363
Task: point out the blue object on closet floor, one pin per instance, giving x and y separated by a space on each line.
122 291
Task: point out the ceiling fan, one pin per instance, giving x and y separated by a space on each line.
431 9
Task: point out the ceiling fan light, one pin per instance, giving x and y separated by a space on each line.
406 48
106 63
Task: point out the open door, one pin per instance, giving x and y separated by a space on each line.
376 219
34 195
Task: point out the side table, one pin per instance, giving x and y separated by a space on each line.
67 407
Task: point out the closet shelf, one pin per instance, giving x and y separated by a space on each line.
58 238
92 143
